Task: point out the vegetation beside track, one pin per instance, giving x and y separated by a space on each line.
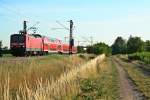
142 56
102 85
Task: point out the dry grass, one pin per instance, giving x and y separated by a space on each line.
48 89
34 68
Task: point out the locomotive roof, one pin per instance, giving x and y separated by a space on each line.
35 35
50 38
40 36
53 39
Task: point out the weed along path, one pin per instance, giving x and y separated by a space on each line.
127 89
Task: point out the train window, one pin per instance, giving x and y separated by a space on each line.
17 38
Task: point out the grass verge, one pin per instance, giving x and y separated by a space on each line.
103 85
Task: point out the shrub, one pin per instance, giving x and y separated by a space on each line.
142 56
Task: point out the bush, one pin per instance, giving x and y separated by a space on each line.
99 48
142 56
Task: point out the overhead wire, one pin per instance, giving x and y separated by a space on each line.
15 11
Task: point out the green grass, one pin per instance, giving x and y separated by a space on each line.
7 55
142 56
103 86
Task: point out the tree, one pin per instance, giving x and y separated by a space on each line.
99 48
135 44
81 49
147 45
119 46
5 48
90 49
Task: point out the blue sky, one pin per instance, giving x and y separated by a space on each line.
102 19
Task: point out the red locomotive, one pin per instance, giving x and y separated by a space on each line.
24 44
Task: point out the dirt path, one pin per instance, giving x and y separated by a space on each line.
127 91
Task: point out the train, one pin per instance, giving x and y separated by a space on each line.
25 44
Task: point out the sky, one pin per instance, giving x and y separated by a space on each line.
104 20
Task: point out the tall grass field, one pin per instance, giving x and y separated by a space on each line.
16 71
58 78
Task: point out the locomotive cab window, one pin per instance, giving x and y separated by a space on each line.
17 38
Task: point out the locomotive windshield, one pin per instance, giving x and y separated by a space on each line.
17 38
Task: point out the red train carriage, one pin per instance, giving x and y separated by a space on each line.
52 45
65 49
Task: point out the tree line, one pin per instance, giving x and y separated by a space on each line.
132 45
120 46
